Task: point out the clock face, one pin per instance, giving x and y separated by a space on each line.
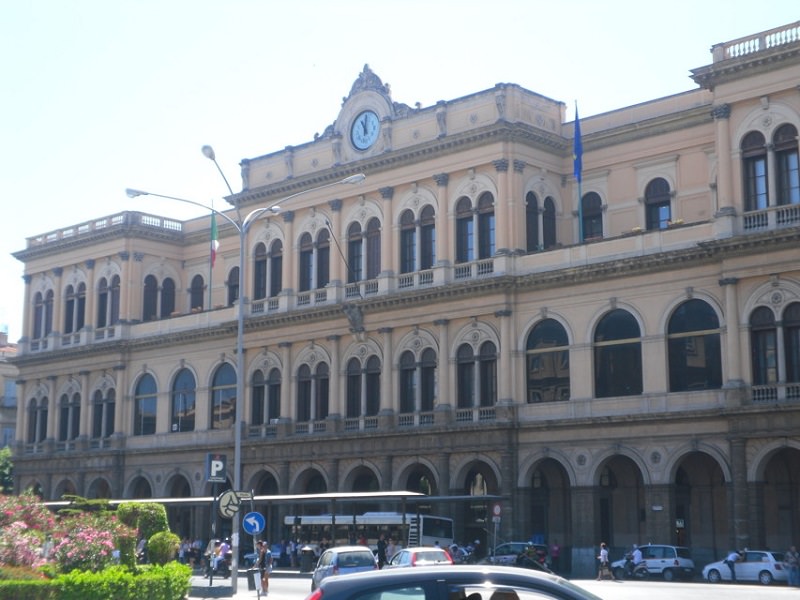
365 129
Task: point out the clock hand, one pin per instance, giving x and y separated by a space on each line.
364 124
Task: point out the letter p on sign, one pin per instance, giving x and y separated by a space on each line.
216 465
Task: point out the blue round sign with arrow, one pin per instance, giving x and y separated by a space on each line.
253 523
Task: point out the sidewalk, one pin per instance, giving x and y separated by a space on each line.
221 587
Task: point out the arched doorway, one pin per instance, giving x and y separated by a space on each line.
779 493
620 514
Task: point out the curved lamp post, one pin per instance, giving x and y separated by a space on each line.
242 226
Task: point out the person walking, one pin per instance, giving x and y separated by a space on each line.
731 561
381 551
264 564
792 561
555 556
604 570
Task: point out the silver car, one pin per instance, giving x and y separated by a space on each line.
343 560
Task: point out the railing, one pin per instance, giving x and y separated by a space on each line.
360 423
482 413
757 42
472 270
774 217
779 392
117 220
418 278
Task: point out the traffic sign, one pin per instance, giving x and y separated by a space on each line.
253 523
229 504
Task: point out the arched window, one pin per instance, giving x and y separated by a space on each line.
531 222
233 286
363 387
260 272
266 395
786 163
592 216
465 231
108 302
306 262
549 223
75 308
223 397
69 421
476 376
196 293
323 262
764 346
150 299
275 268
617 355
312 393
355 253
144 406
373 249
657 204
183 407
547 354
417 381
103 409
754 171
408 242
486 226
427 237
167 297
791 341
693 348
37 421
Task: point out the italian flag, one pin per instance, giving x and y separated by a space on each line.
214 239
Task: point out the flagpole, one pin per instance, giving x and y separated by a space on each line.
210 260
577 161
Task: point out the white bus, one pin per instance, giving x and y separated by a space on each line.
408 528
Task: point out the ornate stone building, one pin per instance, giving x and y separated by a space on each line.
617 360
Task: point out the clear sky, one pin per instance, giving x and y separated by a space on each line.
100 95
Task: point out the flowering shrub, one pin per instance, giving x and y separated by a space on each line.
20 546
28 509
86 548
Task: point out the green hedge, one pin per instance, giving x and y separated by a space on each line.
168 582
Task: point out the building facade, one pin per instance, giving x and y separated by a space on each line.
611 352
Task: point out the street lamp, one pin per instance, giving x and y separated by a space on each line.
242 225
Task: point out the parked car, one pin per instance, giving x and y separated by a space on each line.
507 553
451 582
343 560
669 562
422 556
762 566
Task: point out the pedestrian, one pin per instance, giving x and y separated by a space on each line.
555 556
792 561
391 548
604 571
731 561
381 551
264 564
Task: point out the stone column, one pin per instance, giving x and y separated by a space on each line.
739 493
501 206
58 304
52 407
721 115
337 381
444 393
289 275
387 372
338 267
443 250
27 311
288 381
84 427
505 370
389 255
584 546
516 209
122 412
89 317
732 340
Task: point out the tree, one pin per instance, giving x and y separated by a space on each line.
6 471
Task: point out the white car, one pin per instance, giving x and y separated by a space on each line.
762 566
669 562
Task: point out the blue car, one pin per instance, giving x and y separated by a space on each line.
343 560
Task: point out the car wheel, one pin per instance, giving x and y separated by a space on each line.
765 578
714 576
619 573
669 575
